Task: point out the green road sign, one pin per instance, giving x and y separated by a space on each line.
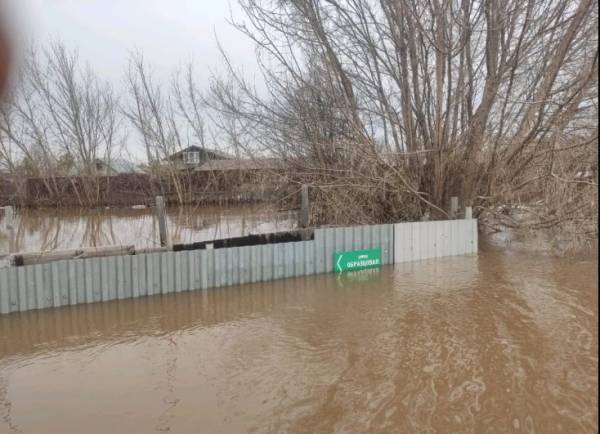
357 260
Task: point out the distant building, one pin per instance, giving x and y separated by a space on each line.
195 156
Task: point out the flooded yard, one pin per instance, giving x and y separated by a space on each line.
495 343
54 229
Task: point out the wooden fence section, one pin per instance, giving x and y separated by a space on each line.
78 281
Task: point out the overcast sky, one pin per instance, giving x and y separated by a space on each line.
168 31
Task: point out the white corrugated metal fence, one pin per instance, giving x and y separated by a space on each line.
77 281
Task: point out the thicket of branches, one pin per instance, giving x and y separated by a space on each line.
168 117
388 108
59 119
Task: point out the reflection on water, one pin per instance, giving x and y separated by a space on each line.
51 229
488 344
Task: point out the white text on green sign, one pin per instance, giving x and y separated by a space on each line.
357 260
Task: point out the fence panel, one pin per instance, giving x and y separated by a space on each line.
328 241
424 240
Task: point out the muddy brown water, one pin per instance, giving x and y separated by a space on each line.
64 228
499 343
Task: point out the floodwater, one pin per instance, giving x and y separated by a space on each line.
55 229
499 343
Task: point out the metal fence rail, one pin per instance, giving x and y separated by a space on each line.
78 281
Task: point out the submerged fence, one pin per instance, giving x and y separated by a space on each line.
78 281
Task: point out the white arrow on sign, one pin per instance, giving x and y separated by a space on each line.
338 263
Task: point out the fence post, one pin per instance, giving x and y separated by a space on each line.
468 212
9 226
304 207
162 221
453 207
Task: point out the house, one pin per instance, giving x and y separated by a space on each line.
195 156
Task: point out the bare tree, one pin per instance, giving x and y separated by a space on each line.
61 112
167 117
425 100
189 104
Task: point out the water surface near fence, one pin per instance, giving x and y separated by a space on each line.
488 343
60 228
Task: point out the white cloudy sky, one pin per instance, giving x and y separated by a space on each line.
168 31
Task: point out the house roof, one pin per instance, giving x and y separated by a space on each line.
212 152
241 164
